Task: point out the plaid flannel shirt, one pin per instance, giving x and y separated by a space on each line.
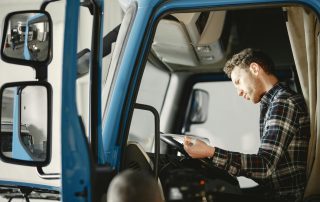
280 163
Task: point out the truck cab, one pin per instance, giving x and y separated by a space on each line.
123 95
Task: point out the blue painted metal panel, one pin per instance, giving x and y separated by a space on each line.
26 53
76 165
190 4
18 151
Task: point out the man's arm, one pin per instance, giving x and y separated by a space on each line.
279 129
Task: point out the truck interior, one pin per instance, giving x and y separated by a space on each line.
187 55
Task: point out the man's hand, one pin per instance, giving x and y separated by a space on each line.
197 148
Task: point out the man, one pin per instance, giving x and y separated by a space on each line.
131 186
280 164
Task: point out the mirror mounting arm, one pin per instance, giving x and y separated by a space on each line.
42 73
47 176
45 3
88 4
157 134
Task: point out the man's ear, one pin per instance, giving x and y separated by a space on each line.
254 68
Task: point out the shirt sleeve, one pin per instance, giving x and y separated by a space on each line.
278 131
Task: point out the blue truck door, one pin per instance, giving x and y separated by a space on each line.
76 161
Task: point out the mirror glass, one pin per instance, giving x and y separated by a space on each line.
27 37
199 106
24 123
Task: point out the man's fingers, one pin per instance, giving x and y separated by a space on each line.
187 141
186 145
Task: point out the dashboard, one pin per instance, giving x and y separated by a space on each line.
183 178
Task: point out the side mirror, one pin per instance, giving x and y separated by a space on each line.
25 132
27 38
198 111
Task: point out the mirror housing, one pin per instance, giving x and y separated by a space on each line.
198 112
27 39
25 137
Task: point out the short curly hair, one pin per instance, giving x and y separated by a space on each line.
244 58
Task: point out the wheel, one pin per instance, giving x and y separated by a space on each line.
204 163
174 143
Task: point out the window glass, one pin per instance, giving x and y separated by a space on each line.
152 92
232 122
113 16
83 72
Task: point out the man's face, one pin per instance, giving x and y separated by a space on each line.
247 84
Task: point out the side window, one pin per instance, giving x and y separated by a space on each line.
83 75
232 122
152 92
112 20
111 23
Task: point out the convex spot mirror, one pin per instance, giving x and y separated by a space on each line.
25 133
27 38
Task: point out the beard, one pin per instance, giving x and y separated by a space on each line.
254 92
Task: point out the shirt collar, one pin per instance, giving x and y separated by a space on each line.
266 98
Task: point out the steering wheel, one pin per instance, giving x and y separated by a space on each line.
203 162
174 143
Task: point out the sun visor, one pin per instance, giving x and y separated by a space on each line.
172 44
192 39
